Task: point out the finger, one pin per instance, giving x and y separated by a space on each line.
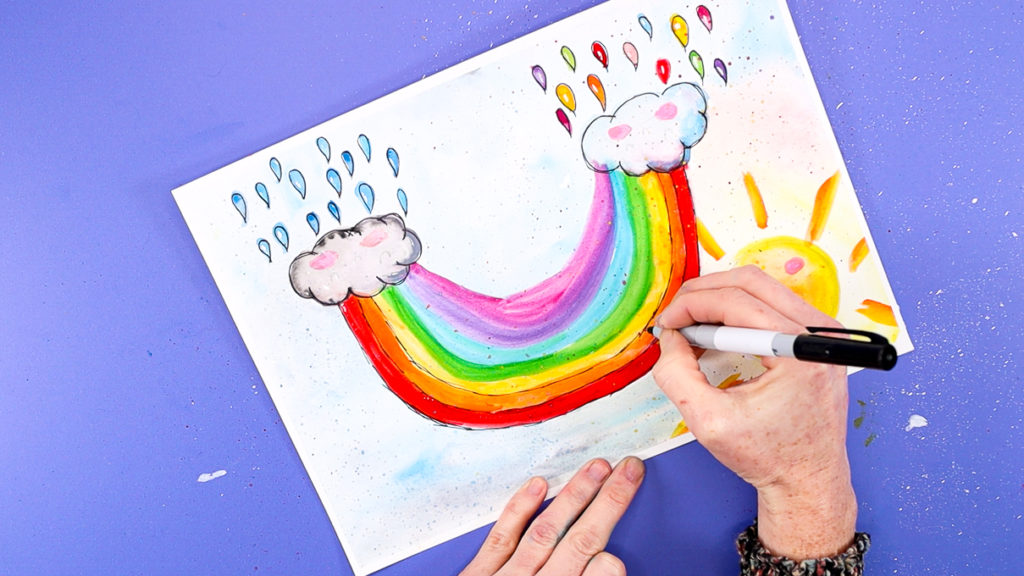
589 534
605 564
503 538
766 288
679 376
728 305
547 529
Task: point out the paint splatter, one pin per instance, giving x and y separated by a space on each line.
915 421
207 476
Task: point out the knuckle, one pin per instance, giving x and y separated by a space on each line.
620 494
585 542
579 496
500 542
545 534
750 273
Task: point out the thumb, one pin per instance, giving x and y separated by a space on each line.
678 375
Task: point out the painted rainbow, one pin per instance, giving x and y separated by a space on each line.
470 360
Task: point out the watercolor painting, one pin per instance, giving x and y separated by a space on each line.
448 290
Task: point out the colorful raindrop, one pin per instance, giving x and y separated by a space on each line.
403 201
298 182
364 145
663 68
275 167
563 118
333 209
601 53
393 160
541 77
334 179
239 203
566 97
569 57
629 49
646 25
314 223
697 62
365 193
282 236
325 147
681 29
264 247
261 191
705 16
595 85
722 71
350 164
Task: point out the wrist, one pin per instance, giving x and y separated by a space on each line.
813 518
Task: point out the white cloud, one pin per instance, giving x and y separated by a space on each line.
648 132
361 260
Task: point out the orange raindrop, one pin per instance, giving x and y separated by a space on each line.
595 85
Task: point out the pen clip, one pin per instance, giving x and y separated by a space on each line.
871 336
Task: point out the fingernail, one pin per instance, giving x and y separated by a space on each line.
535 487
597 471
634 469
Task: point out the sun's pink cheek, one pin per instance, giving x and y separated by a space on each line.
794 265
324 260
374 238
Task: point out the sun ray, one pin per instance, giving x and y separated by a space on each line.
878 312
822 207
756 201
860 251
707 241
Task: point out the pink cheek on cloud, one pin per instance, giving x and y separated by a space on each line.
667 111
794 265
324 260
619 132
374 238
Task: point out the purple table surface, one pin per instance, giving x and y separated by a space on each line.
122 376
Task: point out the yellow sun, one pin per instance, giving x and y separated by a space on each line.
799 263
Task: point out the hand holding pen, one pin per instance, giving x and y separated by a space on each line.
784 431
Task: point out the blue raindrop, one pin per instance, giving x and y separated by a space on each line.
365 193
335 179
333 209
264 247
314 223
239 203
325 147
282 236
646 25
298 182
261 191
364 145
393 160
403 201
275 165
350 164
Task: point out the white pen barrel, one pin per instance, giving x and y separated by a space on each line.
740 340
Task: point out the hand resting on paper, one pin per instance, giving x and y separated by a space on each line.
569 536
784 432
